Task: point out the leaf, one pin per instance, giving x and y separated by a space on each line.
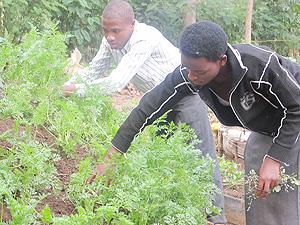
46 215
86 35
296 182
84 3
67 2
78 36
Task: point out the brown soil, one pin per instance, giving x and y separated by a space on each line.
127 98
59 203
4 212
237 192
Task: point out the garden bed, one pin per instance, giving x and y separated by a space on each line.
234 209
58 201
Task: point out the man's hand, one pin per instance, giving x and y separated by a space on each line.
269 176
69 89
102 167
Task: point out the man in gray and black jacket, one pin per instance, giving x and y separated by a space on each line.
245 86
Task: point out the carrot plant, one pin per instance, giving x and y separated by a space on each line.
288 182
160 181
85 121
27 174
26 167
31 73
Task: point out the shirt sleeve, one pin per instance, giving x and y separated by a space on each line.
287 91
153 105
97 67
128 66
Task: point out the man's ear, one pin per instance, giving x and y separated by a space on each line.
223 60
133 23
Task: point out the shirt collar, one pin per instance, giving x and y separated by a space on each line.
238 68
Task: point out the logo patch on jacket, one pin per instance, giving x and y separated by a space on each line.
247 101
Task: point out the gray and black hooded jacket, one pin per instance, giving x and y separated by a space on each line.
265 98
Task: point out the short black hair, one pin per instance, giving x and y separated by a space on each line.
203 39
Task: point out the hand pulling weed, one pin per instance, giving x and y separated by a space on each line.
287 183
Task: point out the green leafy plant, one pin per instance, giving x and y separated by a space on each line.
230 15
160 14
20 165
283 19
46 215
22 212
27 174
231 174
161 181
80 20
36 70
279 17
20 15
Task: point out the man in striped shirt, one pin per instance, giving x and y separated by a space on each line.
144 57
142 54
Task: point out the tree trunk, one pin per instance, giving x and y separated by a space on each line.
1 18
248 27
190 12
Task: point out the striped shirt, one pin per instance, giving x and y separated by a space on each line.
146 59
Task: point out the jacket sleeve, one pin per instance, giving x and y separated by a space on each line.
153 105
282 75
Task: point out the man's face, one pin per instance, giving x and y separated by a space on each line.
117 31
201 70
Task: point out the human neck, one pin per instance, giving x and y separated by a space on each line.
222 84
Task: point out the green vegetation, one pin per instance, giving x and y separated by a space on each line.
162 180
276 23
232 175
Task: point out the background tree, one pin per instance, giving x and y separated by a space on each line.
164 15
276 23
190 12
248 23
1 18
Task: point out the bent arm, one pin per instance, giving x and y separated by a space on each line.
153 105
287 90
128 67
